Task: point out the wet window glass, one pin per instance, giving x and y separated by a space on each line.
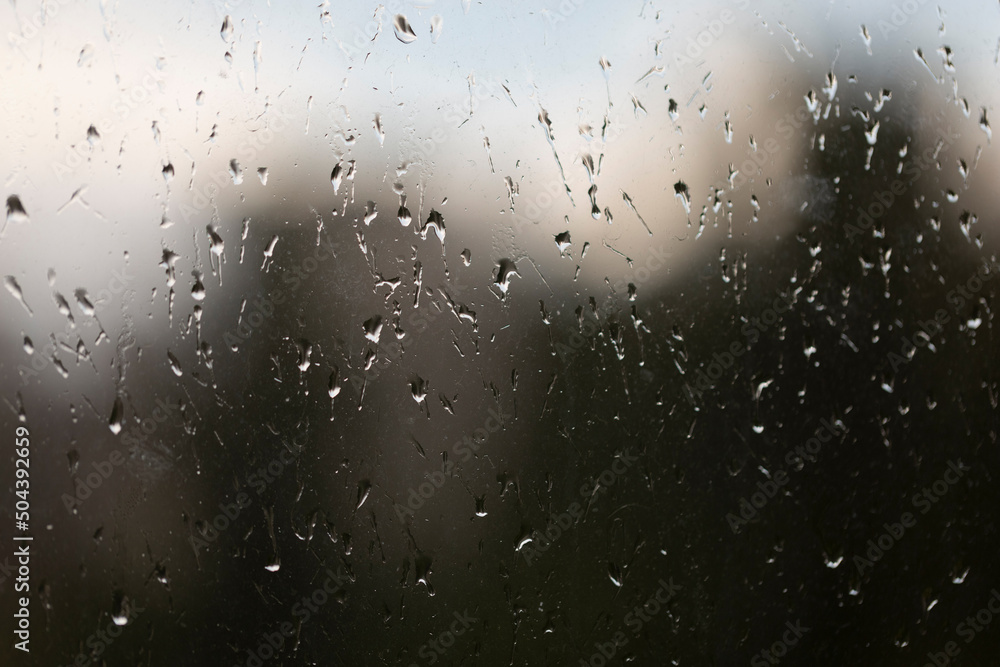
499 333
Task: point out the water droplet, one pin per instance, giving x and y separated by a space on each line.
563 242
121 609
506 269
117 414
83 300
15 210
682 193
334 385
226 32
404 216
373 328
262 175
198 290
10 282
437 26
236 171
175 365
436 222
336 177
404 32
379 132
867 37
364 489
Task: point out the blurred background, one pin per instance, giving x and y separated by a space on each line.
517 333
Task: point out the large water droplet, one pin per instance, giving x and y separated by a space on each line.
404 32
15 210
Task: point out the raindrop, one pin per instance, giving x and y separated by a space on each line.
373 328
437 25
364 489
93 136
682 193
11 283
418 389
262 175
436 222
334 385
15 210
122 609
506 269
867 37
117 413
83 300
305 354
236 171
226 32
198 290
336 177
175 365
563 242
86 54
404 32
404 216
